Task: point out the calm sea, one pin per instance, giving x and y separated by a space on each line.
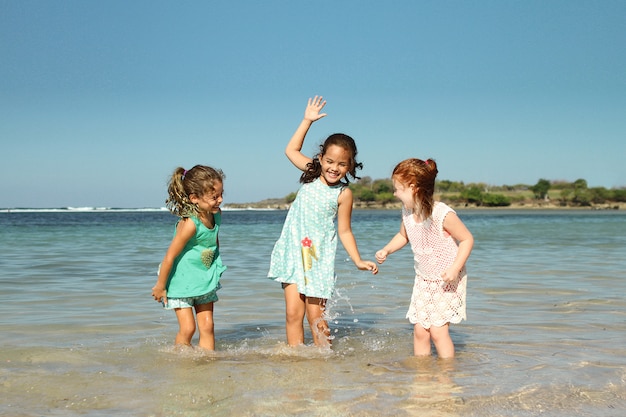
81 335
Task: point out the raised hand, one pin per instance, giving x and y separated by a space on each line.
313 108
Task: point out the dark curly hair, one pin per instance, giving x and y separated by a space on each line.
314 168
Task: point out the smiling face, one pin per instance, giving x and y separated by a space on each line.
210 201
335 164
404 192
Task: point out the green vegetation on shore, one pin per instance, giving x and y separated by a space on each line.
378 193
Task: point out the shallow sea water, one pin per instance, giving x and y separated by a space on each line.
81 335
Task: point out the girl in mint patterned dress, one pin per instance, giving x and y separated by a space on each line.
303 258
189 275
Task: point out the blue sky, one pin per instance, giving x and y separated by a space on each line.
101 100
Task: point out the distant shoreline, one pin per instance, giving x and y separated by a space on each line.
279 204
276 204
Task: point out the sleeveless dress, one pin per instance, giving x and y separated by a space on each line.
198 268
305 252
434 302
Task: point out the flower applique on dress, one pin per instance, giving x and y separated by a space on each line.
308 254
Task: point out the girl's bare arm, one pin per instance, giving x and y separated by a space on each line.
184 231
344 230
455 227
294 147
396 243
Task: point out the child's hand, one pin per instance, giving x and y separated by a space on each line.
450 274
312 112
381 256
367 266
160 294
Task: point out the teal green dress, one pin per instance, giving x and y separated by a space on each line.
305 252
198 268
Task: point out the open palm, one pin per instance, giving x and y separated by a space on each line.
313 108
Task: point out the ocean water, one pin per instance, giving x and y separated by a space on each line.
80 334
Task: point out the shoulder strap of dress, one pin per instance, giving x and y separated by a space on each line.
195 220
440 210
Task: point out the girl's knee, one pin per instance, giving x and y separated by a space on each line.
185 333
187 327
206 327
439 338
294 315
440 333
421 341
420 333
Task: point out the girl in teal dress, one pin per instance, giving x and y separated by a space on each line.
189 275
303 258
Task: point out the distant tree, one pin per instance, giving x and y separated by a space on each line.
365 181
495 200
472 195
385 198
516 187
599 195
580 184
483 187
453 199
582 196
565 196
443 186
382 186
560 184
618 195
357 188
367 195
447 186
541 189
290 197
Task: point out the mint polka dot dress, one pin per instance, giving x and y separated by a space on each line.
305 252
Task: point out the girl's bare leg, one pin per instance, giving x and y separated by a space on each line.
442 340
315 308
421 341
294 315
186 326
206 326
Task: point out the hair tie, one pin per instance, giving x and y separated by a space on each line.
426 162
184 173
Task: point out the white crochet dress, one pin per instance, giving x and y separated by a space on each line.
434 302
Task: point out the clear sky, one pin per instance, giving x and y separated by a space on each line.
101 100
